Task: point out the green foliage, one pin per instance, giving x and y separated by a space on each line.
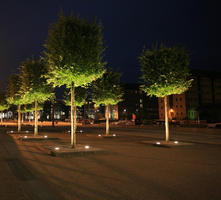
107 90
34 83
3 103
15 95
31 108
80 96
74 51
165 71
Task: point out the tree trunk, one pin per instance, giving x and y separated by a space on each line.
22 118
19 118
166 120
1 117
52 114
36 119
107 119
73 118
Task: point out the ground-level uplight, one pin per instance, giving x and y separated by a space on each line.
57 148
158 143
86 147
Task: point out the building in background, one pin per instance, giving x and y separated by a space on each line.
136 102
201 102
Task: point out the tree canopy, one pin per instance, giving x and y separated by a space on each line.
107 90
165 70
74 49
34 83
3 103
15 94
80 96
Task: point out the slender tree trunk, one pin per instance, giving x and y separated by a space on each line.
22 118
19 118
73 118
36 119
1 117
52 114
166 120
107 119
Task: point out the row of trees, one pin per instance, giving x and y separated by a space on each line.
73 57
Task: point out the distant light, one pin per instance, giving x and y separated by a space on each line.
57 148
45 136
125 110
81 131
86 147
158 143
176 142
11 131
99 135
114 135
25 136
69 131
26 131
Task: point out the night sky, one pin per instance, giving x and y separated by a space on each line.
128 26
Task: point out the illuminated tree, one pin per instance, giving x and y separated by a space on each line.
16 95
80 97
165 71
29 108
74 51
107 91
3 103
34 84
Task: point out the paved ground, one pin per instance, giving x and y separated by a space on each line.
130 171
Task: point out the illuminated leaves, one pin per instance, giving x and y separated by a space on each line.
3 103
74 51
34 83
165 71
80 97
107 90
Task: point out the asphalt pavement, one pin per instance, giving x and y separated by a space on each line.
130 170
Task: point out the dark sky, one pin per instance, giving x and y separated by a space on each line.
129 25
